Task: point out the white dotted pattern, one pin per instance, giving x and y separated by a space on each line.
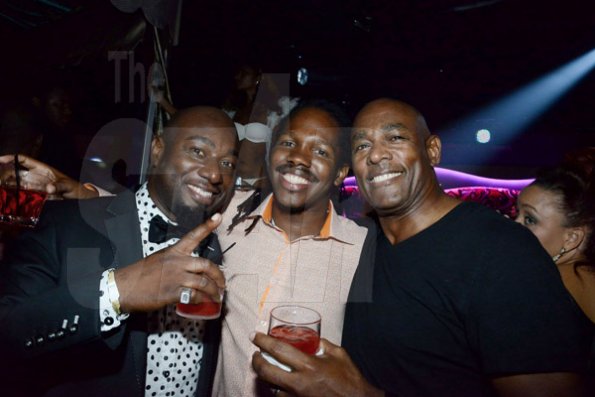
106 309
174 344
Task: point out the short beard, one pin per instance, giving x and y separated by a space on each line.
188 218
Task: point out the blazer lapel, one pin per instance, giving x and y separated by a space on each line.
123 230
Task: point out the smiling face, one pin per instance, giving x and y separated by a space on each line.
393 155
305 161
194 165
539 210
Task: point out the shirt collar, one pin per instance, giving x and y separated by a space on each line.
147 207
332 227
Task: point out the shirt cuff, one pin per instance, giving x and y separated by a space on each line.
101 192
108 317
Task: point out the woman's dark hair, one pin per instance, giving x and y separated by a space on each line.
574 182
237 98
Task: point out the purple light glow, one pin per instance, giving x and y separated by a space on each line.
452 179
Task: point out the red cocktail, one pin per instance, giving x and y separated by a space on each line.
297 326
20 207
206 310
302 338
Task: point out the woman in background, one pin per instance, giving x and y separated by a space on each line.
255 105
559 208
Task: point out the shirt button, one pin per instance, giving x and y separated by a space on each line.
28 343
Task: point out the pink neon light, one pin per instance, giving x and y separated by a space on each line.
451 179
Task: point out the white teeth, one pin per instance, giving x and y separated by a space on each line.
294 179
386 177
201 192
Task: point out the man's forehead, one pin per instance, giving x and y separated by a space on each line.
314 133
206 131
386 112
361 130
385 116
202 139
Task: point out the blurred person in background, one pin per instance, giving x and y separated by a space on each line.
559 208
54 106
20 132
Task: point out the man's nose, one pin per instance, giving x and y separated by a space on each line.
210 171
378 153
300 155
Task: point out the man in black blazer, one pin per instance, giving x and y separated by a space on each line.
87 300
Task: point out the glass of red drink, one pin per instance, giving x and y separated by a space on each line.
20 202
297 326
206 310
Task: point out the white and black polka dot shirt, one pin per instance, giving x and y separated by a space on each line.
174 343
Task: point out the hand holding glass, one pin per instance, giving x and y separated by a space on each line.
21 201
297 326
206 310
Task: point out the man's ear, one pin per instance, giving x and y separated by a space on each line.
573 237
157 148
434 149
341 174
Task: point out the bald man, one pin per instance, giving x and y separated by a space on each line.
87 300
450 299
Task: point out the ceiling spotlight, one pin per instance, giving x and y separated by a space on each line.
302 76
483 136
363 22
472 6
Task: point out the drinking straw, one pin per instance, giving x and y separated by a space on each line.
17 167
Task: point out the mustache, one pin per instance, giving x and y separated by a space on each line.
298 170
205 184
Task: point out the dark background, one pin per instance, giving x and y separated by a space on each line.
449 58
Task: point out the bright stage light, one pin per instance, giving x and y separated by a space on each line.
518 110
483 136
302 76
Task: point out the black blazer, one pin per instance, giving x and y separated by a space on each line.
49 305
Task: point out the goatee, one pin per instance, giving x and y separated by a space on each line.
188 218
